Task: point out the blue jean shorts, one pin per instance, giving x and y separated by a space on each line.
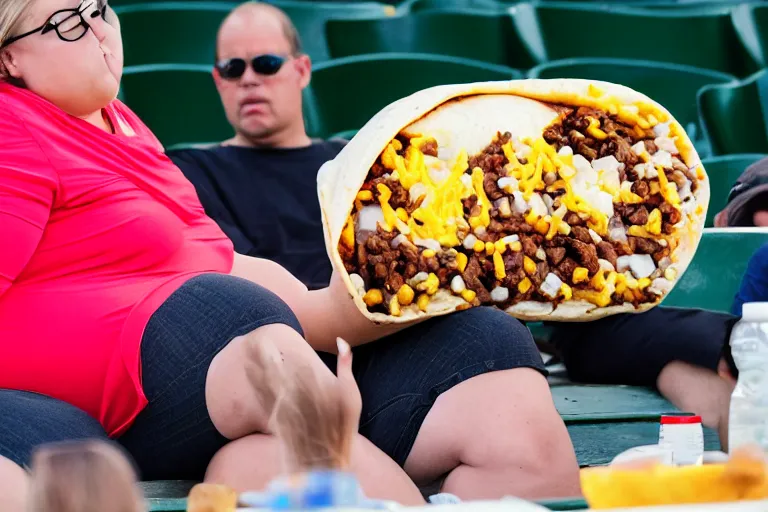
400 377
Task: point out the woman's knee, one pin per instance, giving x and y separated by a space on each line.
494 335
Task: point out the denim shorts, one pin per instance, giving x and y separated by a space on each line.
400 377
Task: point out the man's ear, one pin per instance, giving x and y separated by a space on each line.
304 67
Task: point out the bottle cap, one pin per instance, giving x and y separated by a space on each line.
680 420
755 311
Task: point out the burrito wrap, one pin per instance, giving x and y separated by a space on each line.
467 117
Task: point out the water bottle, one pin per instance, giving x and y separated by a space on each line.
749 403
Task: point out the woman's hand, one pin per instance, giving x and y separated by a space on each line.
324 314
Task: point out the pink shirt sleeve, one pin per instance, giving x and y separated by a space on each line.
28 186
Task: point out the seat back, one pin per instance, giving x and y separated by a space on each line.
345 93
723 171
701 38
733 115
713 277
178 102
672 85
486 36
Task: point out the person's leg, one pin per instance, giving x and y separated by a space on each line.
464 396
674 350
197 351
29 420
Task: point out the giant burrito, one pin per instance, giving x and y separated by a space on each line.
559 200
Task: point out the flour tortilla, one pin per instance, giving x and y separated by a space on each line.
468 116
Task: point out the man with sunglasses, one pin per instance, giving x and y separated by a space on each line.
463 395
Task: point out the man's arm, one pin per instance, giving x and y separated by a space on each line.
324 314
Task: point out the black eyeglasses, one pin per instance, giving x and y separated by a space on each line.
69 24
232 69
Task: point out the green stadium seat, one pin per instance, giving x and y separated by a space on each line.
752 22
178 102
479 5
714 275
185 32
481 36
706 39
673 85
733 115
345 93
723 171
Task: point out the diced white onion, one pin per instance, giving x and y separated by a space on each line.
551 285
616 230
662 158
416 191
399 239
660 286
499 294
508 184
510 238
662 242
581 164
565 151
466 180
549 202
622 263
666 144
458 285
357 282
505 210
418 278
369 217
651 172
480 231
595 237
665 262
438 175
427 243
605 265
603 201
607 163
661 130
519 205
641 265
540 254
522 150
639 148
537 205
469 241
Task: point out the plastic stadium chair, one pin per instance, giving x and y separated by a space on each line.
706 39
672 85
479 5
752 22
185 32
723 171
714 275
733 115
481 36
345 93
178 102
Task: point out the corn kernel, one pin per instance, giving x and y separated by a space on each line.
422 302
653 225
566 291
373 297
652 120
468 295
516 246
542 226
428 253
479 246
639 132
348 234
594 91
394 306
529 265
670 274
489 248
643 283
461 261
524 285
498 266
433 283
699 210
580 274
365 195
402 214
405 295
500 247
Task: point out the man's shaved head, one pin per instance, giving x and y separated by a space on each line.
242 12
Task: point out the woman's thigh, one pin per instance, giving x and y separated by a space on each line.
29 420
401 376
174 436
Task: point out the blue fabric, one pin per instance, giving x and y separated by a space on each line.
754 284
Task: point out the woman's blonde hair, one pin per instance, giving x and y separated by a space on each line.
11 14
85 476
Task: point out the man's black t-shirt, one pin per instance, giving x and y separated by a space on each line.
265 200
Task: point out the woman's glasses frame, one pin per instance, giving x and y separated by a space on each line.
267 64
49 26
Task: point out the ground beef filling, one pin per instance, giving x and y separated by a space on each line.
389 262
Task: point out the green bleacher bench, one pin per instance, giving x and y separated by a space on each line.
723 171
345 93
733 115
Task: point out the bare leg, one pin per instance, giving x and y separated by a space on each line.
251 462
14 483
497 434
700 391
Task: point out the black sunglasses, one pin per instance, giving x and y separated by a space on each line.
69 24
232 69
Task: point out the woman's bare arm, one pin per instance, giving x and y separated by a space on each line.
324 314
